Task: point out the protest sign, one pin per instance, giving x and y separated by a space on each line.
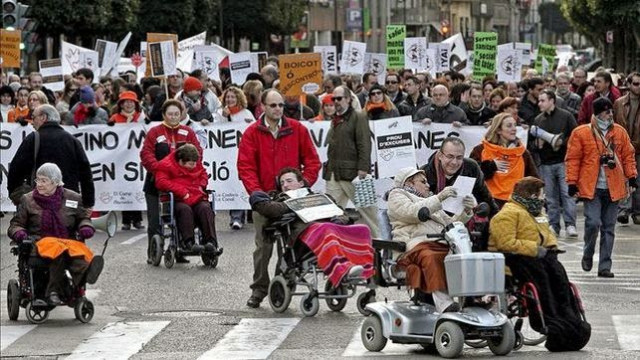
415 53
207 59
442 55
393 145
525 53
157 37
458 55
91 60
163 60
111 67
73 58
484 54
262 59
106 50
509 65
300 73
431 55
10 48
548 53
329 58
353 57
51 71
395 46
240 66
186 51
376 63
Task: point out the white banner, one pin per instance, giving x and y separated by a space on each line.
376 63
353 57
415 53
207 59
240 65
114 154
329 58
393 145
186 51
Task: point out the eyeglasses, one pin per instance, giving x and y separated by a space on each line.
42 181
337 98
375 93
452 157
391 82
275 105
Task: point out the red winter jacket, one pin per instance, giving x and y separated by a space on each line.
261 156
171 176
586 109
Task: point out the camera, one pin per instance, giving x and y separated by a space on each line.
608 160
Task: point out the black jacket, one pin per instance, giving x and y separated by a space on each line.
528 110
557 122
469 168
444 115
478 117
407 107
61 148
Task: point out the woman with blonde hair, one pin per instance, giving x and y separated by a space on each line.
234 107
503 158
252 90
379 105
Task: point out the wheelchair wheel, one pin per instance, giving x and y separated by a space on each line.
530 337
279 294
209 260
157 245
371 334
13 299
364 299
336 304
309 305
505 343
169 258
36 315
84 310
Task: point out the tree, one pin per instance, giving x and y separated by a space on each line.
552 19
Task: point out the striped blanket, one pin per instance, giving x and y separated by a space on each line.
339 247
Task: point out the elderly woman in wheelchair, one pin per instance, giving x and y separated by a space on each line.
343 253
49 230
182 174
521 231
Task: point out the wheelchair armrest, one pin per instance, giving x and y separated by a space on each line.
389 245
286 219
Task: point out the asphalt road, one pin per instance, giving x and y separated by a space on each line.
190 312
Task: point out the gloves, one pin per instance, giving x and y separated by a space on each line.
20 235
86 232
446 193
633 184
258 197
22 121
469 202
111 123
573 190
542 252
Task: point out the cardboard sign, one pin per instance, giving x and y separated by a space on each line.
484 54
329 58
415 53
10 48
186 51
376 63
353 57
52 77
395 46
157 37
300 73
163 58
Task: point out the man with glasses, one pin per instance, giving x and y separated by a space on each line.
604 88
601 170
579 78
571 101
477 111
441 110
415 100
57 146
349 155
392 84
425 81
627 113
268 145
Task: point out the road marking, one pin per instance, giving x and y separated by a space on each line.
119 340
252 339
357 349
11 333
628 331
133 240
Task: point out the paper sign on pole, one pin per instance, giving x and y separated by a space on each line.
51 71
300 73
509 65
163 58
106 50
329 58
458 57
185 50
353 57
157 37
262 59
112 65
10 48
415 53
240 67
395 46
484 54
547 52
76 57
207 59
394 145
376 63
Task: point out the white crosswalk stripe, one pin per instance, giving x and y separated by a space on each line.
627 329
12 333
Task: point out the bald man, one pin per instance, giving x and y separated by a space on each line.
442 110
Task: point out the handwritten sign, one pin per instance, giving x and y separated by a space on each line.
10 48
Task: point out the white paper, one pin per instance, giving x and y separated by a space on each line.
443 54
525 52
329 58
112 63
464 186
51 71
240 67
186 51
314 207
106 50
353 57
207 58
393 145
376 63
509 65
415 53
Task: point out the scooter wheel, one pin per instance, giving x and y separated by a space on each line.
449 339
309 305
371 334
505 343
362 301
279 294
36 315
84 310
13 299
336 304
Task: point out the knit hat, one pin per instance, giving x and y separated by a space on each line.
601 104
128 95
404 174
191 84
377 86
327 99
87 96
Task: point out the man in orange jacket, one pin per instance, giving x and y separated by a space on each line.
601 170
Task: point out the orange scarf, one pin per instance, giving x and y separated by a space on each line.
501 184
370 106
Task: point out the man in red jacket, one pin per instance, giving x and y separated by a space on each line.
268 145
604 88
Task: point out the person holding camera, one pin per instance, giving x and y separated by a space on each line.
600 170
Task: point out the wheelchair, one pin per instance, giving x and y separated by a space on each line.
168 245
296 267
28 291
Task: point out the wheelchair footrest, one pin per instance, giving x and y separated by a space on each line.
389 245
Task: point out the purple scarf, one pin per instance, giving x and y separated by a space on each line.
50 221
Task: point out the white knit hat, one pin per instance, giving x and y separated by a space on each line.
404 174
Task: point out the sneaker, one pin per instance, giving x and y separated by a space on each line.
587 264
138 225
623 217
571 231
209 247
126 226
95 268
236 225
605 273
254 302
54 299
636 219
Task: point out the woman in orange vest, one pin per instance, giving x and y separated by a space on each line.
56 216
20 113
503 158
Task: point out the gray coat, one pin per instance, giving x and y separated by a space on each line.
349 147
446 115
101 117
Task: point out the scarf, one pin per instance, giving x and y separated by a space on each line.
371 106
441 176
234 109
340 118
50 221
533 205
83 113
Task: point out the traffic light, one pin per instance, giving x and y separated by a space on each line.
10 14
444 28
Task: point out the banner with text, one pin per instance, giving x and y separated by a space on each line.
484 54
395 46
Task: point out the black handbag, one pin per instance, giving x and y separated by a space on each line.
27 186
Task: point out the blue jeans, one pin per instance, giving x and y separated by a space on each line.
557 196
600 216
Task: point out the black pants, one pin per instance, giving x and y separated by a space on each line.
153 219
201 215
131 217
57 278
